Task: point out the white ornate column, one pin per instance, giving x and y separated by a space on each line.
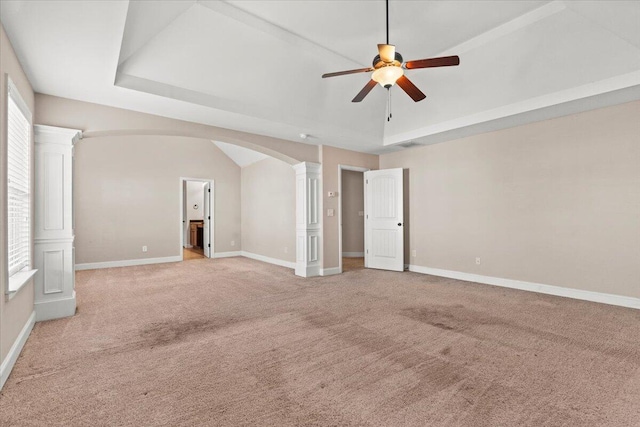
53 233
308 215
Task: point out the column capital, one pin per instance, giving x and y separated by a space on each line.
55 135
307 167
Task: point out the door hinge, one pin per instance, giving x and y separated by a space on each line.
208 245
209 218
367 250
367 181
209 190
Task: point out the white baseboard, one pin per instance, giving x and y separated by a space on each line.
263 258
188 246
145 261
57 309
353 254
227 254
307 271
127 263
330 271
16 348
533 287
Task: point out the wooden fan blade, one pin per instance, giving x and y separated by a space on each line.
444 61
342 73
365 91
387 52
411 89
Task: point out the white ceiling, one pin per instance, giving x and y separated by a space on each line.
255 66
240 155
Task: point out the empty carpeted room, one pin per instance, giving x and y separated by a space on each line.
320 213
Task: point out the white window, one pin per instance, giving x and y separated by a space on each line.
18 189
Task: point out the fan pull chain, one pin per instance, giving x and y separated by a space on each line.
389 115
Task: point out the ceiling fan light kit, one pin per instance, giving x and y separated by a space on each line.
387 75
388 69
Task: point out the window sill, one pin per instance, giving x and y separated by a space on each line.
18 280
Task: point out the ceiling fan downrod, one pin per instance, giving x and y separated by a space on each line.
389 115
387 21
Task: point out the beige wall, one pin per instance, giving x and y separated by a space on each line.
331 158
14 313
127 194
555 202
195 196
352 205
269 209
99 120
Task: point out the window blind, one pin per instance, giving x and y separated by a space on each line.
18 182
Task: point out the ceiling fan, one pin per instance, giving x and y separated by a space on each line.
388 69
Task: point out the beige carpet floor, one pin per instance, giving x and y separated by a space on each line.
233 342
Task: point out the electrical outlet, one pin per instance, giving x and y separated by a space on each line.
414 253
478 261
360 213
144 249
330 212
233 243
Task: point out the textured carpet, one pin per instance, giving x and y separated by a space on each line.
237 342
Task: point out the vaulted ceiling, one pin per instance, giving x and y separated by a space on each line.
255 66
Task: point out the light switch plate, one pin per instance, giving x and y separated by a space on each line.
360 213
330 212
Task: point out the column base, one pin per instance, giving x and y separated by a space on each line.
305 271
56 309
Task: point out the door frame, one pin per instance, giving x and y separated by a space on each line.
183 209
354 169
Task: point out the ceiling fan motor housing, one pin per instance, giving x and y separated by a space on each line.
377 62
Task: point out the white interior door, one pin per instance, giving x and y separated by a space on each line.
206 230
185 222
384 220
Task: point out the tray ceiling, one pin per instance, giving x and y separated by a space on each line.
255 66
